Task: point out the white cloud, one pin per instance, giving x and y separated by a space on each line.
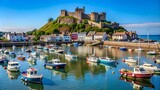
143 25
15 29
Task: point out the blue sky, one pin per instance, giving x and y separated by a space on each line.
135 15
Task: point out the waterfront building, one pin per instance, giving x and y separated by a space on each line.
65 37
119 36
15 37
90 36
30 37
74 36
81 36
47 38
102 36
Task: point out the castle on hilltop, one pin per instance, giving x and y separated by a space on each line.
94 19
79 13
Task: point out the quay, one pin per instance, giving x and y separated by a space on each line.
146 46
10 44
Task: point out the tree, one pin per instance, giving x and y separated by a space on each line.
50 19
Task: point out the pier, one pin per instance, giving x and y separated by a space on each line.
146 46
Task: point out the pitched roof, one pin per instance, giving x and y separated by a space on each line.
99 33
119 33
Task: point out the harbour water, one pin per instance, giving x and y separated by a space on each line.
151 37
79 74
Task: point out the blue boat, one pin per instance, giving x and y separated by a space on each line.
54 63
106 60
31 76
76 44
123 48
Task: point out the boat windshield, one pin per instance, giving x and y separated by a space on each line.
141 69
35 72
16 64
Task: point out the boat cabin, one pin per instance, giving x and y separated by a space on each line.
147 65
13 64
54 61
32 71
139 70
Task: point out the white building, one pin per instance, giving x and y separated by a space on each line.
65 37
102 36
119 36
15 37
90 36
81 36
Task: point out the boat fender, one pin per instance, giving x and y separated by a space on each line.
133 75
112 72
125 74
123 60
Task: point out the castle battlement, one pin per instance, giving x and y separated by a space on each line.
80 14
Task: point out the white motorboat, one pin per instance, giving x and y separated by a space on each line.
149 67
152 53
13 66
32 59
3 58
93 59
131 60
70 56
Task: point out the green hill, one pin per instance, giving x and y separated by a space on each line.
70 24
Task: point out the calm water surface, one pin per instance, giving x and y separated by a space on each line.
79 74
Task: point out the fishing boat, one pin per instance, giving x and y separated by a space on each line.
3 58
93 58
150 67
13 66
152 53
32 59
131 60
123 48
55 63
31 76
21 57
106 60
138 72
68 55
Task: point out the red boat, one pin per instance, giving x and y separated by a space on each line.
136 73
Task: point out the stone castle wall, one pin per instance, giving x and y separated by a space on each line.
80 14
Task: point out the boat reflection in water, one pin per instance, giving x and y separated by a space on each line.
33 86
60 72
131 64
13 75
108 66
138 84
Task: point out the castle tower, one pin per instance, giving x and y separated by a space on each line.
63 13
79 12
94 16
102 16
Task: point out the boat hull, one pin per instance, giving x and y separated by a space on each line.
55 66
106 61
32 80
135 75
